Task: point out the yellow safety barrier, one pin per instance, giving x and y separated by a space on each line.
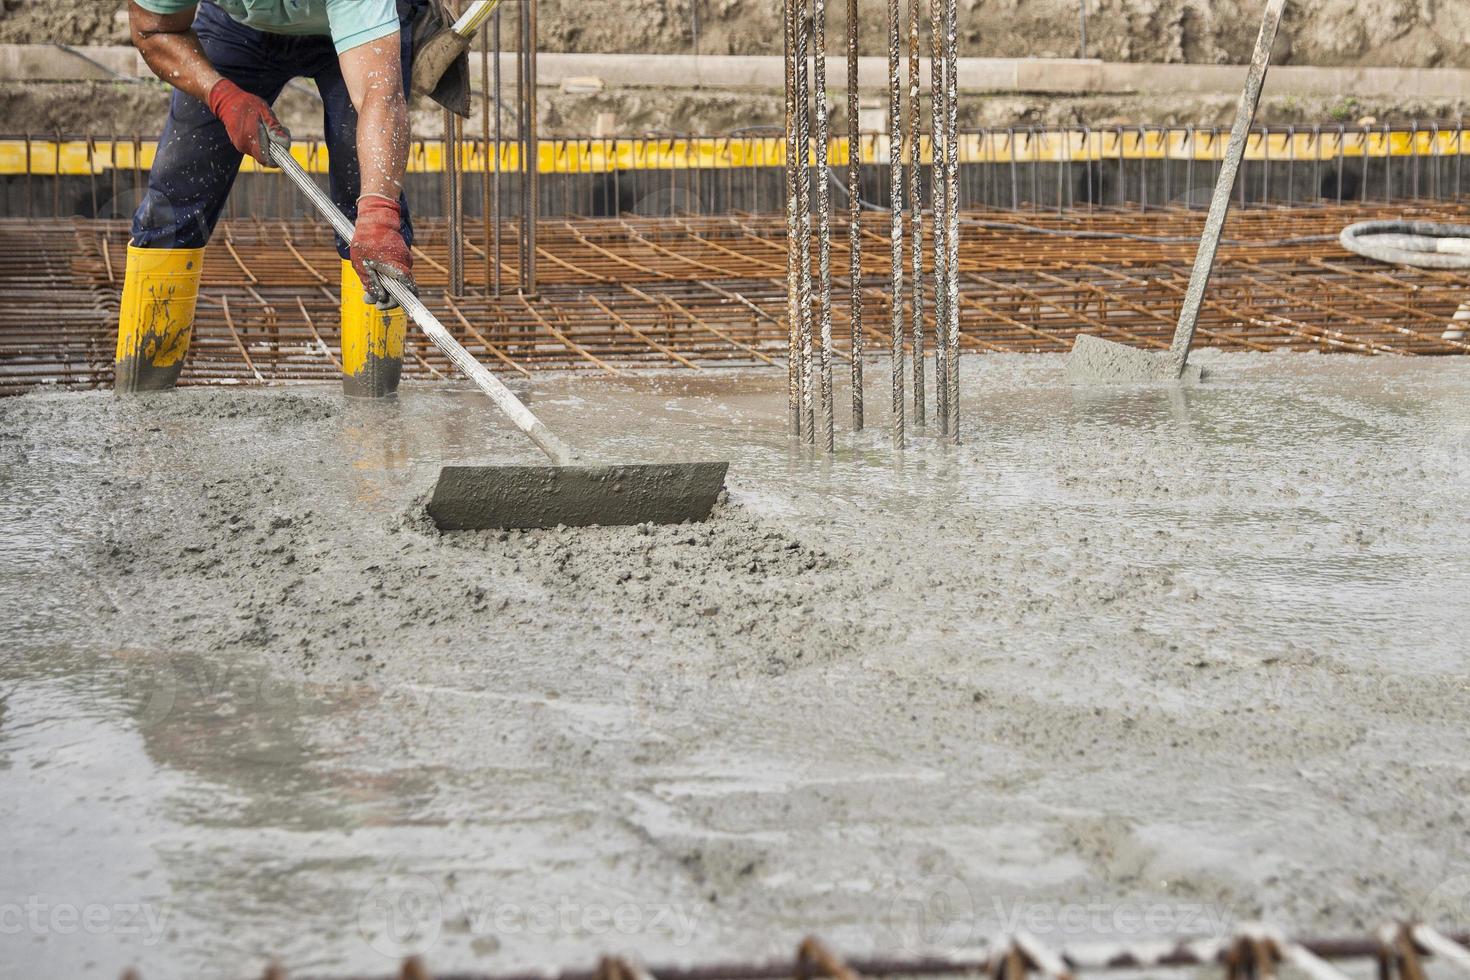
584 156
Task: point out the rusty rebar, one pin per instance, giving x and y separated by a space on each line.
1399 949
952 233
495 206
522 147
855 214
916 214
793 291
531 218
454 181
824 218
804 220
939 209
710 290
454 188
895 220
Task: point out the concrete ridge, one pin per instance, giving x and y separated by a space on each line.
1059 76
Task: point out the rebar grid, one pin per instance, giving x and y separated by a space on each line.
695 293
1255 952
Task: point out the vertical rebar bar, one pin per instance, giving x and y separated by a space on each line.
952 238
804 219
486 212
495 206
454 197
454 190
939 208
522 168
793 308
895 223
533 143
824 216
916 214
855 214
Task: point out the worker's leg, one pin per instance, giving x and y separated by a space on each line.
188 184
372 340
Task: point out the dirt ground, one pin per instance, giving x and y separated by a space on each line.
1423 33
105 108
1197 653
1324 32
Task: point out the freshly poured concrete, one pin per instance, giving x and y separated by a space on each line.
1129 662
1095 360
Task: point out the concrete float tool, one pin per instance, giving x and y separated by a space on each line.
433 60
1095 360
564 493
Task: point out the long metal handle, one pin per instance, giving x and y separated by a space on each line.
474 18
1245 114
556 450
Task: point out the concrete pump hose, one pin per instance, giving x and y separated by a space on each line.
1421 244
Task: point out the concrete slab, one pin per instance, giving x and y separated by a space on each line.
1129 663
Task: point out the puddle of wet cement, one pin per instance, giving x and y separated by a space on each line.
1127 648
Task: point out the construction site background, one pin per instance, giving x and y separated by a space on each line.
1400 33
1406 33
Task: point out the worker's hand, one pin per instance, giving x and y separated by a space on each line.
247 118
378 249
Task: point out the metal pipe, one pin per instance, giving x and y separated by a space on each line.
1204 261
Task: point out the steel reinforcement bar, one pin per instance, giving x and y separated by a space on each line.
698 293
1255 952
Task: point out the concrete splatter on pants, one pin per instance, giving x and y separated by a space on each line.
196 164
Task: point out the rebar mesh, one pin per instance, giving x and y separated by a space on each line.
695 293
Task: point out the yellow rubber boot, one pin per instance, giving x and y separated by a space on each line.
156 322
372 342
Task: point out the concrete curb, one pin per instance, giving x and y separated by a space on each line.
1060 76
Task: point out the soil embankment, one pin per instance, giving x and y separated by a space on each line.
1406 33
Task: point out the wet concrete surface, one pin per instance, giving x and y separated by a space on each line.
1130 662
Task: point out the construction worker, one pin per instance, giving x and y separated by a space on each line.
228 61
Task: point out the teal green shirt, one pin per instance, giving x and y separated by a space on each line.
348 23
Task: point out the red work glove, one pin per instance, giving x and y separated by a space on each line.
378 249
245 117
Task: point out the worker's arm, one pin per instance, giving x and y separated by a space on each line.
171 48
374 76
